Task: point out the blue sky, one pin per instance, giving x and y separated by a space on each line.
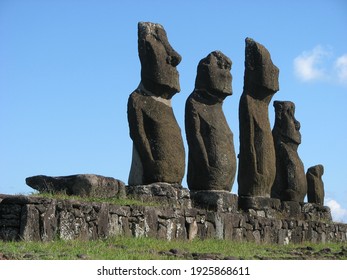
68 67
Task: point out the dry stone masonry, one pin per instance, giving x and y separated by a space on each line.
43 219
268 165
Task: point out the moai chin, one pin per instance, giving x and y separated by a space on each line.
257 160
315 185
158 151
211 156
290 183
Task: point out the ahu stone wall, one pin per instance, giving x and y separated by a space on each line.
261 220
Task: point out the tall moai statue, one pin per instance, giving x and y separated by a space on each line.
315 185
158 151
290 183
257 160
211 160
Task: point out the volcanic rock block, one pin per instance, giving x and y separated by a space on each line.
315 185
260 206
217 201
211 160
257 161
158 150
81 184
290 183
173 195
259 203
316 212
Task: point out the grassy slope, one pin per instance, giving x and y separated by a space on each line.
147 248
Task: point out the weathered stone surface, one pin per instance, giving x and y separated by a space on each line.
192 230
23 199
102 222
316 212
258 203
158 150
260 206
158 60
292 209
81 185
211 160
315 185
257 161
166 194
10 215
273 208
48 220
30 225
151 222
290 183
220 201
71 219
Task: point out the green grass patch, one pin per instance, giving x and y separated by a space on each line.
125 248
117 201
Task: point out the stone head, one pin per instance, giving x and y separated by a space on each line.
285 123
158 60
259 69
213 75
317 170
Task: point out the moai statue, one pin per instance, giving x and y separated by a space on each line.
290 183
257 160
158 151
315 185
211 160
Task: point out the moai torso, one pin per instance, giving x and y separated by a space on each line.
257 165
158 151
315 185
211 160
290 183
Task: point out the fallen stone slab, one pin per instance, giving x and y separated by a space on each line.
86 185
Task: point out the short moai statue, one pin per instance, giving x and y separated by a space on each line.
315 185
290 183
158 150
212 159
257 160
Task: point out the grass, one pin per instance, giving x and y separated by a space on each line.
117 201
122 248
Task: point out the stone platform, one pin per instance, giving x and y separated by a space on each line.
173 195
275 208
219 201
177 217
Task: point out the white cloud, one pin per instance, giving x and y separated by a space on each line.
309 65
337 211
341 68
319 64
